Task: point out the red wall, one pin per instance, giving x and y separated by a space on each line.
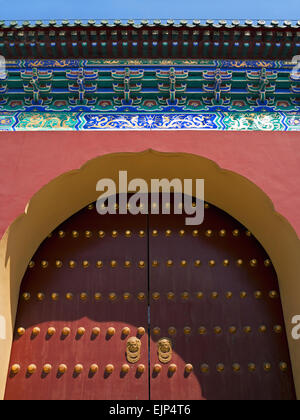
28 160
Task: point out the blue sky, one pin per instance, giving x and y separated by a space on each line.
149 9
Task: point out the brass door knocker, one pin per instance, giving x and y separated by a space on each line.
164 350
133 349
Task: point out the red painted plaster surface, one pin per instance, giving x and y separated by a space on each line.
29 160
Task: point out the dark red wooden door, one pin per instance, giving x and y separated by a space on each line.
102 284
215 296
208 295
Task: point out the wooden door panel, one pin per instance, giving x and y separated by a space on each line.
83 311
228 363
249 361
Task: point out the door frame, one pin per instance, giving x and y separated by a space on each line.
70 192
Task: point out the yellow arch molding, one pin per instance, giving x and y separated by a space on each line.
67 194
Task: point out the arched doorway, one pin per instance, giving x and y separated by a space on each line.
211 293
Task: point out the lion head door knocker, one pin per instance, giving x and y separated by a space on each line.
133 349
164 350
